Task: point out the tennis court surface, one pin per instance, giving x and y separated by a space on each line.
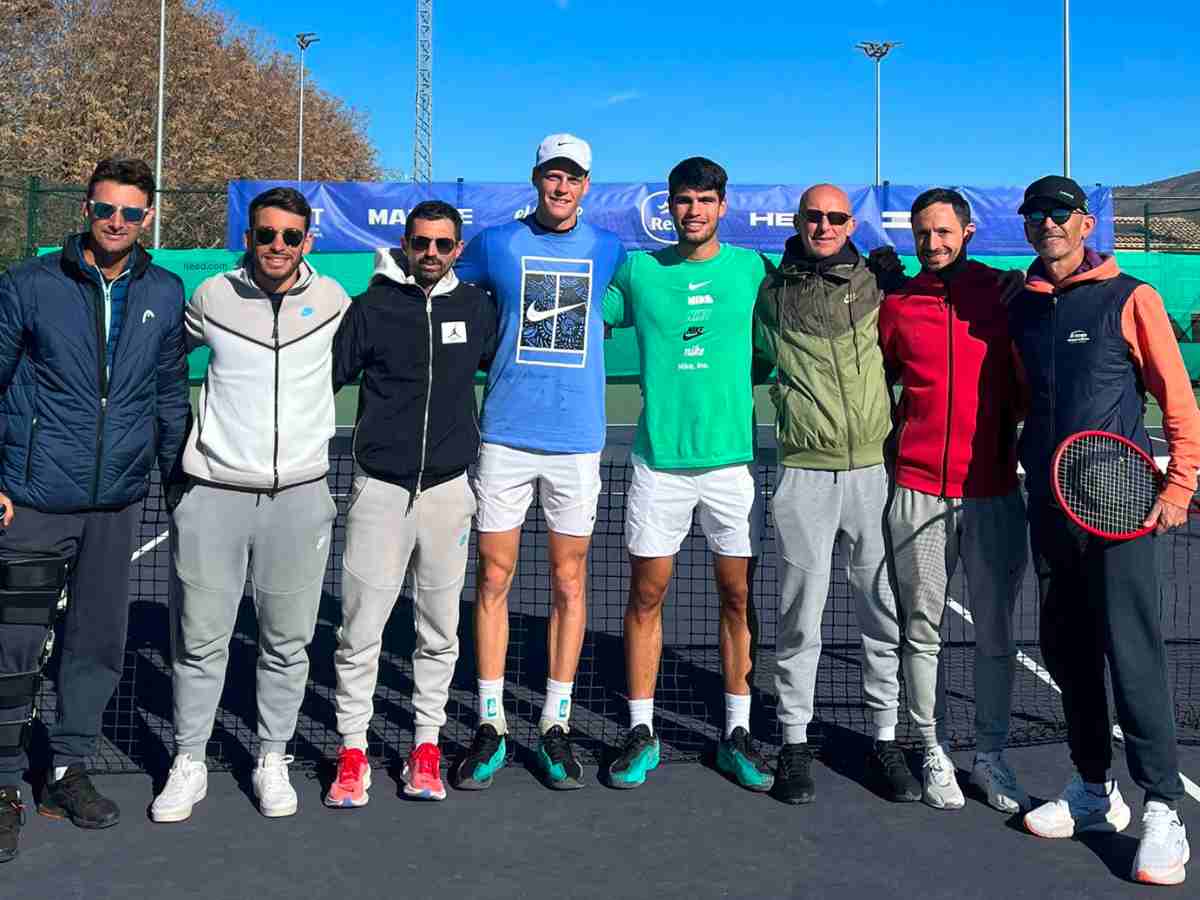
688 832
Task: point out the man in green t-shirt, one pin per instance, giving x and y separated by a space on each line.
692 306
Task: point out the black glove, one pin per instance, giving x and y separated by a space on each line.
1011 284
173 492
886 266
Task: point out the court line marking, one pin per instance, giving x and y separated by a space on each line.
1039 671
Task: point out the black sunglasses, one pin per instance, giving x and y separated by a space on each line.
131 214
420 243
1058 216
837 219
293 237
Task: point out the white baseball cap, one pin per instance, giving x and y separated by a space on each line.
564 146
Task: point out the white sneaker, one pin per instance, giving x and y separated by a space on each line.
187 785
992 775
276 796
1163 852
941 786
1077 810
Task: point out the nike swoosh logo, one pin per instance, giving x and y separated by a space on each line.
697 285
538 315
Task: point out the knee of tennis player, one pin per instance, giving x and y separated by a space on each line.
494 578
567 582
646 598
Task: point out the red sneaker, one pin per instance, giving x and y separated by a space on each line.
349 789
423 773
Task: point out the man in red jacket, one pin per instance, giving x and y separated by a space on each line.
945 337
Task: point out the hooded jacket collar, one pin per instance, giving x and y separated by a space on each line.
392 265
796 260
244 275
1095 267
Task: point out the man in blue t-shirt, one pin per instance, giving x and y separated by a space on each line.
543 426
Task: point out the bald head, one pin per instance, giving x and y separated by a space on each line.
821 237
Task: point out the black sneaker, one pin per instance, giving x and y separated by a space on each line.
639 755
557 759
887 766
74 797
737 758
486 757
12 817
793 778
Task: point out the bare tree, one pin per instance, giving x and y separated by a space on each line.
78 81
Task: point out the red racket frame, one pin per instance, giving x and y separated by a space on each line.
1054 482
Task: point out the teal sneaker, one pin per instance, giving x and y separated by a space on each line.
485 758
737 758
638 756
557 760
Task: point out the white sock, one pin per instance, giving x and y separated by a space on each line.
795 734
491 704
557 710
885 732
737 713
426 734
357 741
59 772
641 712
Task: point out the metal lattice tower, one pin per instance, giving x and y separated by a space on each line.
423 119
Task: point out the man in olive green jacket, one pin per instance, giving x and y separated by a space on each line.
817 320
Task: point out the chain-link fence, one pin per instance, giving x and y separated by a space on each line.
34 213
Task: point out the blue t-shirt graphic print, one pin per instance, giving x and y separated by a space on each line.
545 389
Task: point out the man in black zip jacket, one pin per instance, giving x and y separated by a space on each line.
94 380
418 336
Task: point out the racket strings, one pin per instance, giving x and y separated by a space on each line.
1106 484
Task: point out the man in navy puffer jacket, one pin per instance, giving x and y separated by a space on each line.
93 375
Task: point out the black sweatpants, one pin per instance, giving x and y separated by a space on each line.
93 636
1100 600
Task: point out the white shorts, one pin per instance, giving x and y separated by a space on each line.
568 485
659 506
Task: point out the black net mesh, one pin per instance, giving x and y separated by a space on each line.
688 707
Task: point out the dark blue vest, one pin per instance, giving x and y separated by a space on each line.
1081 374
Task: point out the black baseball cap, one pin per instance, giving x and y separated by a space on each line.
1054 191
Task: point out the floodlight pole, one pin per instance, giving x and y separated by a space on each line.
304 40
1067 88
877 51
158 141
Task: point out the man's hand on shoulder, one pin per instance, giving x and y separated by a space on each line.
1012 283
6 505
886 267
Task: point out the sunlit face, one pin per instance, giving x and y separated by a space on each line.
115 234
275 257
696 214
431 250
561 186
820 235
1054 240
939 236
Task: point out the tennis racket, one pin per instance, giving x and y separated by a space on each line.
1106 484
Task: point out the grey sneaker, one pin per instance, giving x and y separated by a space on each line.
941 790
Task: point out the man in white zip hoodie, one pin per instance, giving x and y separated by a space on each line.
257 500
417 336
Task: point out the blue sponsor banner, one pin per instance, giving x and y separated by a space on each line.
356 216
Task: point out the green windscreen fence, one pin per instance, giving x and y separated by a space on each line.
1175 275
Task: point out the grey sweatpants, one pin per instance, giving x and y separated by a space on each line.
283 541
812 508
929 536
383 534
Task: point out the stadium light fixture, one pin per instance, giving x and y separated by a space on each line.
877 50
158 140
304 40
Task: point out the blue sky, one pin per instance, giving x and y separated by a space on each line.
774 91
